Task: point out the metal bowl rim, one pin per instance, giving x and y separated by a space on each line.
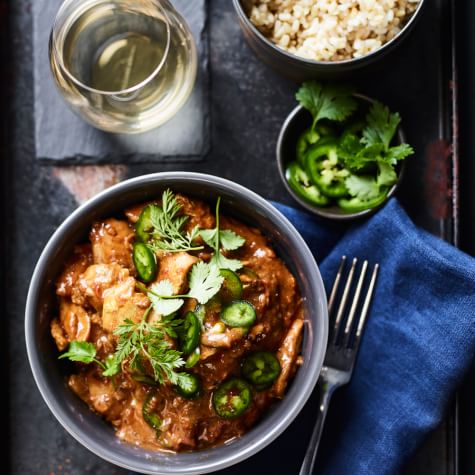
323 212
327 64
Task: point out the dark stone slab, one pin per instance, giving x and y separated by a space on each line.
62 137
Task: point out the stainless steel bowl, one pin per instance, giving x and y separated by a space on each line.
298 68
91 430
299 120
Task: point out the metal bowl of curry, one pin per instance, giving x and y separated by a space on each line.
176 323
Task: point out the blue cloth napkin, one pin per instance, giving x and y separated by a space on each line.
419 340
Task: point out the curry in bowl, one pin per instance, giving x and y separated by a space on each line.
184 324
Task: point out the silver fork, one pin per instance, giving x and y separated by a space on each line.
343 343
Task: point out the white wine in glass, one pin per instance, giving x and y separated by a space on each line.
125 66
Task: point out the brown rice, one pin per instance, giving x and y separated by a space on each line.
331 30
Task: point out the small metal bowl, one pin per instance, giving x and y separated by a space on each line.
299 120
299 68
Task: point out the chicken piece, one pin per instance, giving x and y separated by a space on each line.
133 427
75 266
90 286
198 212
175 267
57 333
99 393
75 321
133 212
287 356
121 302
222 339
179 426
112 243
207 352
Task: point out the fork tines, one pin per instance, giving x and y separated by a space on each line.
344 329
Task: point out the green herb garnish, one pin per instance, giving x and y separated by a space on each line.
380 131
350 163
205 282
225 239
140 342
326 101
85 352
167 227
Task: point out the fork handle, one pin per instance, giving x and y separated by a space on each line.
326 392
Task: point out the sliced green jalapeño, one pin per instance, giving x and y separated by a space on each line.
145 262
232 398
325 170
261 368
300 183
239 314
190 335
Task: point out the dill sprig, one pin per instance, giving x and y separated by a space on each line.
144 342
167 224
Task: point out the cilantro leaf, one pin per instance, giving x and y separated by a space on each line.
161 296
209 236
399 152
230 241
326 101
382 125
112 366
81 351
226 239
387 176
205 282
362 187
223 262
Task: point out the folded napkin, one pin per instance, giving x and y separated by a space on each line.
418 344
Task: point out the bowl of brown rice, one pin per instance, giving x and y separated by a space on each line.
312 38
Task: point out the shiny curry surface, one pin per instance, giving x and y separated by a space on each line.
97 289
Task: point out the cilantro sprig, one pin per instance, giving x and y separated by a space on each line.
381 128
374 147
333 102
204 282
222 239
85 352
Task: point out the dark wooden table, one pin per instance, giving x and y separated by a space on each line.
249 104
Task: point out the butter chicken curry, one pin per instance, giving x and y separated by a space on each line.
184 324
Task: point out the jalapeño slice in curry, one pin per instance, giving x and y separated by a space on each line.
232 286
239 314
232 398
189 385
200 312
150 417
193 358
190 336
143 226
261 368
144 379
145 262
